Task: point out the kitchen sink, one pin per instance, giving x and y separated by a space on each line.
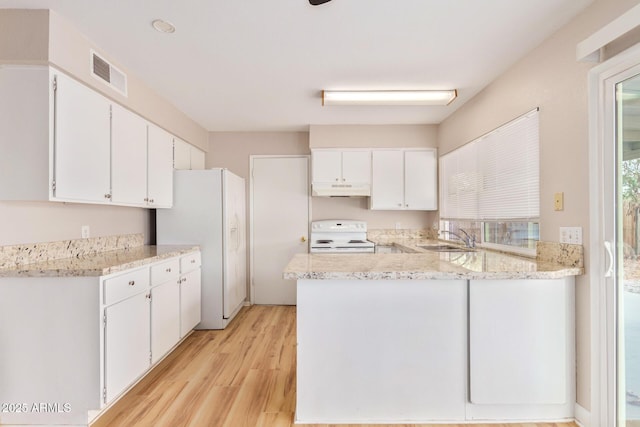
446 248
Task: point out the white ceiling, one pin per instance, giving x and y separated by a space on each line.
249 65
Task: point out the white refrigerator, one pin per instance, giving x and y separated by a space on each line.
209 210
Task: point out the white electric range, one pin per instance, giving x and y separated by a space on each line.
340 236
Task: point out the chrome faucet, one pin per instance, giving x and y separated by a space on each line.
469 240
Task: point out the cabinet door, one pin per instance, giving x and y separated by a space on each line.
356 166
126 343
420 180
518 341
387 180
182 154
81 143
197 159
160 168
128 157
189 301
165 318
326 166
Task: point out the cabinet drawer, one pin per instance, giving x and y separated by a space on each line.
162 272
125 285
190 262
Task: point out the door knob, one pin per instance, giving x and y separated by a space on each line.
303 239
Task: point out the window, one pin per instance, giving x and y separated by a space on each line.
491 186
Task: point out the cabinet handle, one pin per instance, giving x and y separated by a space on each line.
193 261
407 205
337 179
168 270
400 204
343 180
148 296
151 200
146 199
132 282
107 196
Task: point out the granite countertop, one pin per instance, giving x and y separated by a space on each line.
97 264
424 264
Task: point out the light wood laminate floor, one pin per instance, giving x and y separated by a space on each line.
243 376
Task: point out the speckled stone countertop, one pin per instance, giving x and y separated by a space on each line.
424 264
97 264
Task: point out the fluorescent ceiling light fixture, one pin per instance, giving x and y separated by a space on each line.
388 97
163 26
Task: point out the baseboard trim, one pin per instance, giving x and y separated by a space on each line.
583 417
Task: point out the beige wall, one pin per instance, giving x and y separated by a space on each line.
372 136
30 222
41 37
24 35
70 51
232 150
550 78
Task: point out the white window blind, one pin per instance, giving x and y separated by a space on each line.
495 177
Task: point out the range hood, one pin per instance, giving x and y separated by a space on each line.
340 190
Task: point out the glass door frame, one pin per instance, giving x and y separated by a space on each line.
604 248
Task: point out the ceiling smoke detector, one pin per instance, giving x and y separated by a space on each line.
163 26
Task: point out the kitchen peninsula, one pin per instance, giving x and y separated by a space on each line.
433 336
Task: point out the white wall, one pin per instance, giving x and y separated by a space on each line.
550 78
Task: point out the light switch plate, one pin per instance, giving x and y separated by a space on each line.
84 230
571 235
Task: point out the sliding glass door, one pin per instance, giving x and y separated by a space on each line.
627 286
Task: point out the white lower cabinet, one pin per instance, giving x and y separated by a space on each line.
165 318
426 351
190 292
521 349
146 311
126 343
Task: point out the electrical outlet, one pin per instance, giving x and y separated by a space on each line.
84 230
398 225
558 201
571 235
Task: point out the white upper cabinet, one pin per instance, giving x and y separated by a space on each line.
341 172
81 150
343 166
420 179
160 176
128 157
327 166
62 141
197 159
356 166
404 179
387 180
181 154
186 156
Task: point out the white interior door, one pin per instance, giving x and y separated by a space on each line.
280 224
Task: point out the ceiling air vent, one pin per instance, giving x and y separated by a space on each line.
103 70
